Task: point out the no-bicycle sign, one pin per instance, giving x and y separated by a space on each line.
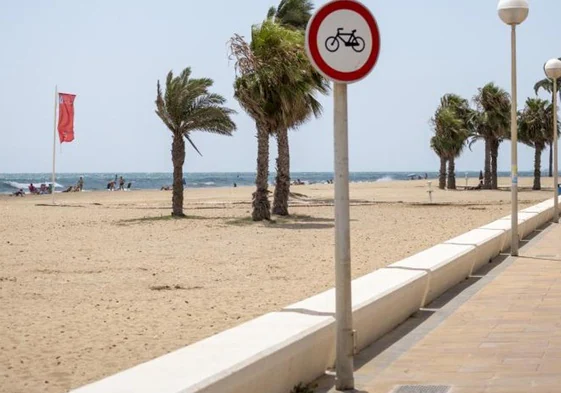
343 41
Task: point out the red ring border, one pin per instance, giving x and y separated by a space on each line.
312 44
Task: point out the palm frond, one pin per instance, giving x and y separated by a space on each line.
493 103
275 82
451 132
294 14
187 106
211 119
545 84
192 144
535 123
271 13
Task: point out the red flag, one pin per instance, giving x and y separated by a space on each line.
66 117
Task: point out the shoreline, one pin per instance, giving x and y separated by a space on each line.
10 183
461 186
209 187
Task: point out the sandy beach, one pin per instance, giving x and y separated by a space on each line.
105 280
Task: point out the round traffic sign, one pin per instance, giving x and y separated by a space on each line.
343 41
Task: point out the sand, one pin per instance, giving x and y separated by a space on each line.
105 280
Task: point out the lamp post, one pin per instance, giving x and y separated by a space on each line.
553 71
513 12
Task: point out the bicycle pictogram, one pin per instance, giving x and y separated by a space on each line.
349 39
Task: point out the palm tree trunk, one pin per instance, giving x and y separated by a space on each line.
451 174
551 159
537 168
261 205
178 159
442 174
282 187
487 175
494 164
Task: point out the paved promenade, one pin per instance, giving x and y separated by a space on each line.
498 332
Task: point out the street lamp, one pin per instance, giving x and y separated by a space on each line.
513 12
553 71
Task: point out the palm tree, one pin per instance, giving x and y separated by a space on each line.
460 130
535 130
269 85
459 105
450 123
295 14
493 122
187 106
547 85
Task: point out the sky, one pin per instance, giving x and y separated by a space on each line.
111 53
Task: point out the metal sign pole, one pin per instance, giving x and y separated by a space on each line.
343 304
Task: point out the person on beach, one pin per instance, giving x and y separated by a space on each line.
121 184
33 189
19 192
481 178
80 184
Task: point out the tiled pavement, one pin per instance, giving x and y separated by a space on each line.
499 332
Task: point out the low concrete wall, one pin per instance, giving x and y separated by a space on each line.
543 210
488 244
276 351
259 355
385 299
527 222
381 300
500 225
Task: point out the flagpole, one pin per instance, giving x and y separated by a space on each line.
54 145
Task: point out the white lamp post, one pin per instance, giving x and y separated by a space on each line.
513 12
553 71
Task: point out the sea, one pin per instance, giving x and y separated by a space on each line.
11 182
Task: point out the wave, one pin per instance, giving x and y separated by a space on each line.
385 179
17 185
209 183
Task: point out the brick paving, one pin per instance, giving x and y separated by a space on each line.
501 332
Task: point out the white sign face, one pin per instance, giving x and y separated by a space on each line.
344 41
